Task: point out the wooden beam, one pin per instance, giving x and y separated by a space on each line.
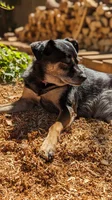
98 57
108 61
98 65
87 53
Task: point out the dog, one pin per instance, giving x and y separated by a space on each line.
60 84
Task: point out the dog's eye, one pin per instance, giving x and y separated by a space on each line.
64 67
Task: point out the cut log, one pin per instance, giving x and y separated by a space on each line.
51 4
108 14
87 41
41 8
105 30
95 25
110 23
19 30
80 37
77 6
64 6
110 35
85 31
95 34
12 39
91 3
104 21
9 34
89 19
31 18
101 9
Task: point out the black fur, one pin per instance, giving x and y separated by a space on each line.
93 98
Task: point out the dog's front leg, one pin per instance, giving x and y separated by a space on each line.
65 118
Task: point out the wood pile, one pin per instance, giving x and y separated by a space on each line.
96 33
88 22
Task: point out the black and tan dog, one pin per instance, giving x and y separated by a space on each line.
57 81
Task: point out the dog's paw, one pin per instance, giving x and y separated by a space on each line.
47 150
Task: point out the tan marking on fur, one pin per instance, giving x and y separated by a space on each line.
49 145
54 95
61 80
50 67
54 79
54 69
56 75
29 94
22 104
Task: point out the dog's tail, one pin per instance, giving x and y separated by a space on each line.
18 106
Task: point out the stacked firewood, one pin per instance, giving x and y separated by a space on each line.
52 23
88 22
96 33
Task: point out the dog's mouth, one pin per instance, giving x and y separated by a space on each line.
72 83
61 81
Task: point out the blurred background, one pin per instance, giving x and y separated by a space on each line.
88 21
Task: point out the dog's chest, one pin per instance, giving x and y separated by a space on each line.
51 99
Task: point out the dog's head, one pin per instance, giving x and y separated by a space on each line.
58 61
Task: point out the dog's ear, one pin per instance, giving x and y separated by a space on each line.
42 48
74 42
49 47
37 49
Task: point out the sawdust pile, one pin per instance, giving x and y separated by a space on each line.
81 169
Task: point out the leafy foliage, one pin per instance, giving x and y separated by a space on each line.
12 63
6 7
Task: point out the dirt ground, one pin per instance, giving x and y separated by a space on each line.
81 169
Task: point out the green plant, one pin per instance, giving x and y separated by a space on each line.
12 63
5 7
